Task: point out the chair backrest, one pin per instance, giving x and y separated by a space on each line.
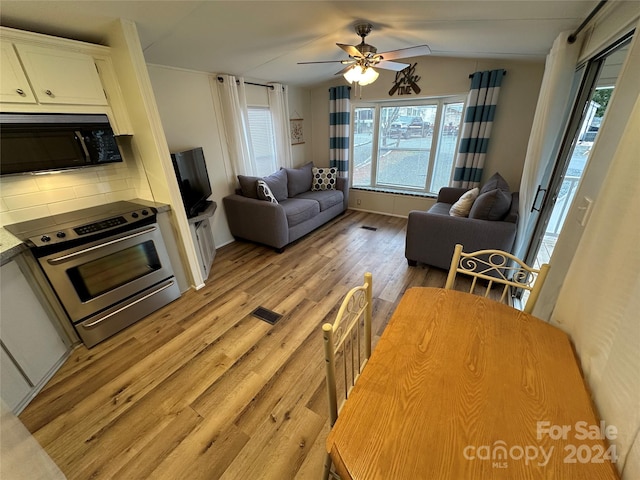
496 266
347 342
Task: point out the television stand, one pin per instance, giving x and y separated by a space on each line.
208 211
203 237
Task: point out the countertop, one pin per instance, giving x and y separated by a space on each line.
11 247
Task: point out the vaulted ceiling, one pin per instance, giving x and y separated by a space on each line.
265 40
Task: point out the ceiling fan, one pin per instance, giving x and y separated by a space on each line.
364 56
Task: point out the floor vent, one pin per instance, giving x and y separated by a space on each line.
266 315
367 227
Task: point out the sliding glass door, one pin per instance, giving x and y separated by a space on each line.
596 80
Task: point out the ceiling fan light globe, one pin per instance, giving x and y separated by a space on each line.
353 74
369 75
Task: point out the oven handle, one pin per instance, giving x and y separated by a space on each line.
150 294
55 261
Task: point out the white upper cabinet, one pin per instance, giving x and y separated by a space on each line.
45 74
61 77
14 86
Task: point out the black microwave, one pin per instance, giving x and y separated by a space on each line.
37 142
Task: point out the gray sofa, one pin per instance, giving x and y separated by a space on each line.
296 211
432 235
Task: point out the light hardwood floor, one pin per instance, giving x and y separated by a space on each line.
203 390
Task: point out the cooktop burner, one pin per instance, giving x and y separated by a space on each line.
81 224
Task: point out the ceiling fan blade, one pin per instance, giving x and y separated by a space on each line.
323 61
416 51
350 49
395 66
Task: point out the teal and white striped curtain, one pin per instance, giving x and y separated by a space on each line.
339 121
476 129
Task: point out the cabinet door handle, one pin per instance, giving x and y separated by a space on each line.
48 92
19 91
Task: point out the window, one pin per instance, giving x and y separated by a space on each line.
406 146
262 140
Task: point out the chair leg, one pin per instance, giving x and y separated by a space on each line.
327 467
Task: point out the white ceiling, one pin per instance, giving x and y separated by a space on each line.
264 40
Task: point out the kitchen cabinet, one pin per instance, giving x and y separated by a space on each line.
32 349
80 77
14 86
60 76
14 387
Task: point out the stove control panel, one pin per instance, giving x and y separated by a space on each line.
102 225
88 229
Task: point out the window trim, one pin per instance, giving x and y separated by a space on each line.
440 101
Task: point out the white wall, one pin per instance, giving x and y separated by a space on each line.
446 76
300 107
599 304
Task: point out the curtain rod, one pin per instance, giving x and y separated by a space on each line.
471 75
573 37
221 80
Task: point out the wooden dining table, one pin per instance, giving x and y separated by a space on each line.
463 387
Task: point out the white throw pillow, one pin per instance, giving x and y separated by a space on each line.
463 206
264 192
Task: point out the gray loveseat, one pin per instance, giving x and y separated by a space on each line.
432 235
294 211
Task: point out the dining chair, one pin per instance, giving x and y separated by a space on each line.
498 267
347 347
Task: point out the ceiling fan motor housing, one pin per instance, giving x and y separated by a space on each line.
363 29
366 50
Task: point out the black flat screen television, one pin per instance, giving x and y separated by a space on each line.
191 171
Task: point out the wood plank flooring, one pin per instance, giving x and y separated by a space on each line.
203 390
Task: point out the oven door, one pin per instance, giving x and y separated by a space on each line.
95 276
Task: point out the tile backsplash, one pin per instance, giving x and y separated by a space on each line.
25 197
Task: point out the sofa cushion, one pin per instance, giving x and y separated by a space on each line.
299 179
248 186
324 178
440 208
298 210
264 192
492 205
278 184
326 198
462 207
496 181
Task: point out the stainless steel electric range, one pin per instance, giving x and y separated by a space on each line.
108 265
